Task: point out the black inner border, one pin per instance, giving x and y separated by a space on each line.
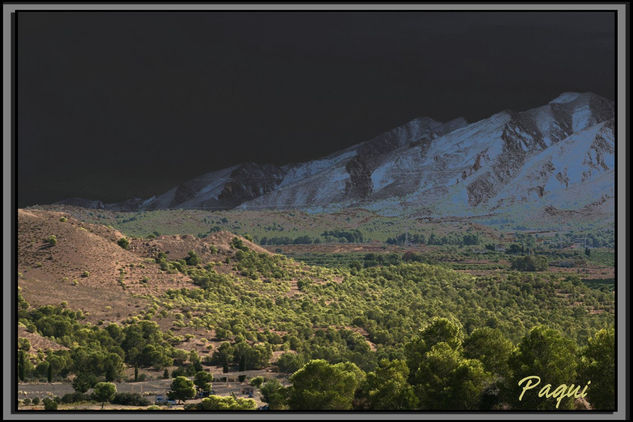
14 135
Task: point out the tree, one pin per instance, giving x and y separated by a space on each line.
445 380
322 386
182 389
544 353
598 366
83 382
104 392
290 362
443 330
440 330
387 388
489 346
274 394
21 365
203 380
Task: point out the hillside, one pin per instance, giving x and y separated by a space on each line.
182 303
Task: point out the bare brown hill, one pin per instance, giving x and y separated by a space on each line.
86 268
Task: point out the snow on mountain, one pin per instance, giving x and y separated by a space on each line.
531 159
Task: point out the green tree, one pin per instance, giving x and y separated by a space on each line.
182 389
445 380
598 366
83 382
443 330
203 380
104 392
274 394
489 346
322 386
22 365
544 353
440 330
387 388
290 362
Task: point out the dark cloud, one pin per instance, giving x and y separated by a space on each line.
114 105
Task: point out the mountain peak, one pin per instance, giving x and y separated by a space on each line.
565 97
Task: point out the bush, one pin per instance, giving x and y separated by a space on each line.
192 259
51 240
36 400
130 399
26 401
257 381
74 397
49 404
123 242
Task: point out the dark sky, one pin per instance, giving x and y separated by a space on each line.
116 105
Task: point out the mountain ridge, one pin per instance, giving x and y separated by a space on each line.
442 168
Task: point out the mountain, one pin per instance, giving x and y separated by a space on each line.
557 156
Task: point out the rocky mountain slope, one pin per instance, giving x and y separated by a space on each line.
557 156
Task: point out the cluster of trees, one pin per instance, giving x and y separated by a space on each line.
442 369
260 265
450 239
530 263
332 318
94 353
376 259
242 356
343 236
285 240
388 303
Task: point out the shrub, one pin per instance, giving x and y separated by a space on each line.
192 259
123 242
257 381
130 399
36 400
49 404
85 274
63 219
51 240
26 401
74 397
237 243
